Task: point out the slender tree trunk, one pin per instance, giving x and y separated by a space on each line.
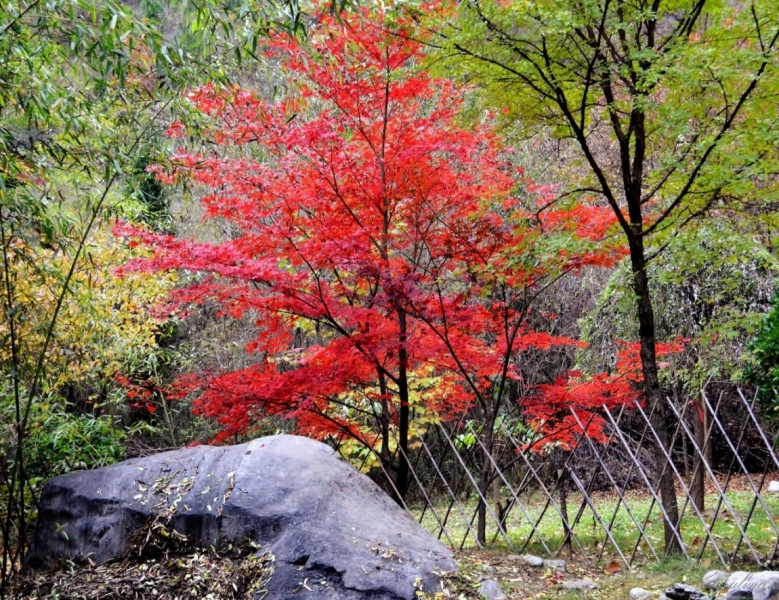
384 421
697 483
401 482
168 420
653 393
501 510
485 476
685 446
496 499
560 474
563 495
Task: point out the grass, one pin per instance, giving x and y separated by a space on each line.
590 530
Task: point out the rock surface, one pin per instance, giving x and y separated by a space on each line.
491 590
533 561
556 564
640 594
683 591
329 527
738 595
764 584
581 585
773 486
714 580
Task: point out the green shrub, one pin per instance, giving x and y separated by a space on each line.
763 368
61 441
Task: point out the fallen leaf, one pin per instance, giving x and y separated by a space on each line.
613 567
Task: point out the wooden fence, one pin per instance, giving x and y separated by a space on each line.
599 500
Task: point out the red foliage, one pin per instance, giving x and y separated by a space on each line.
551 410
141 395
371 216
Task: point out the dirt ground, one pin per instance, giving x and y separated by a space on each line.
520 580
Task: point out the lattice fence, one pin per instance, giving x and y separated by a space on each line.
600 501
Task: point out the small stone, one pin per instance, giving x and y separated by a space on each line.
533 561
488 568
681 591
640 594
556 564
739 595
581 585
490 590
513 557
773 486
714 580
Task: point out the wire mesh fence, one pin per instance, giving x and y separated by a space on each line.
598 497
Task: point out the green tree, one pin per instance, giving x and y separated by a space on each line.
669 104
763 369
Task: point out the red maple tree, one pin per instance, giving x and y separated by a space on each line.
373 222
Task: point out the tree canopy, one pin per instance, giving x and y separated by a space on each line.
380 246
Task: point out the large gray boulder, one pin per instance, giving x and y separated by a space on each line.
330 528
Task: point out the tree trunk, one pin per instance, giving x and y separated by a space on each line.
384 419
501 511
401 482
496 499
698 470
501 508
653 393
562 476
484 482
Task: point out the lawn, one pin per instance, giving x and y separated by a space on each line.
536 528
